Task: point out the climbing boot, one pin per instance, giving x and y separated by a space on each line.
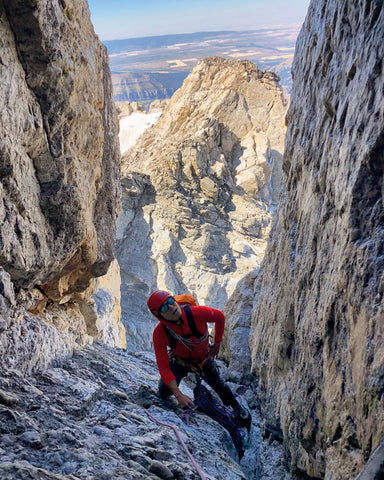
243 416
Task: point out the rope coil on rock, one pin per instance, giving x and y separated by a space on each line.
178 436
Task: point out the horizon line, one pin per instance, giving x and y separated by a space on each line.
204 32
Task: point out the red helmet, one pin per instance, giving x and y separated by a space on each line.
157 299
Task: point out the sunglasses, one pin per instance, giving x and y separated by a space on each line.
164 308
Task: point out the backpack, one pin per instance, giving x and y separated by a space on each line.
185 299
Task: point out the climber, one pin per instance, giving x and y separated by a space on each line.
182 330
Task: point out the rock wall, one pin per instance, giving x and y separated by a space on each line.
235 346
199 189
59 167
317 331
107 325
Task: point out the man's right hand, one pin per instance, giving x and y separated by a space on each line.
185 401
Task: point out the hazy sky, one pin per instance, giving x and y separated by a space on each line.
116 19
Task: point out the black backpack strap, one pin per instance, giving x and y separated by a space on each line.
191 322
192 327
171 338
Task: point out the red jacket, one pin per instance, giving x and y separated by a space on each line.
202 316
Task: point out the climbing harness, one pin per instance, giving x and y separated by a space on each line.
178 436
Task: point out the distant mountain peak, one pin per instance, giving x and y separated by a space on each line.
199 188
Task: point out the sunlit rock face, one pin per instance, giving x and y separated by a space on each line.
107 296
59 165
199 189
317 333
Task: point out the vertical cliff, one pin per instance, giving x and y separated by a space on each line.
59 167
317 331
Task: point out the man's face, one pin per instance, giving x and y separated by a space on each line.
173 310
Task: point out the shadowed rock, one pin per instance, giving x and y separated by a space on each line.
316 336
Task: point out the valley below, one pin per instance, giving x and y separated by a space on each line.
146 69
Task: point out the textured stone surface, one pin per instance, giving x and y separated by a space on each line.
374 469
108 326
59 170
199 189
235 347
59 161
86 419
317 333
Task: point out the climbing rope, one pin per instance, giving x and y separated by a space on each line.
187 342
178 436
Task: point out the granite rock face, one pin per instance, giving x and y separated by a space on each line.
199 189
59 166
317 331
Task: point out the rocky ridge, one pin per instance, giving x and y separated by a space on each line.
318 309
199 189
59 165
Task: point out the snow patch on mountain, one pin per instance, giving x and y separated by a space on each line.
133 126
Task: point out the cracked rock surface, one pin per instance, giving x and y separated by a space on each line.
318 305
86 419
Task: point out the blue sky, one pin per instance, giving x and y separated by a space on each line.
117 19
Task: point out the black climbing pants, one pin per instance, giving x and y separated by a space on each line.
210 373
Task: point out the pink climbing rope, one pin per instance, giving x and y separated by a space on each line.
177 433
